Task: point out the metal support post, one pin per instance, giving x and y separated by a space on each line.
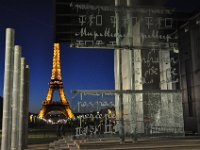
133 100
15 106
121 107
7 93
21 106
26 104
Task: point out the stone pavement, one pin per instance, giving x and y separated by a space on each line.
38 147
114 144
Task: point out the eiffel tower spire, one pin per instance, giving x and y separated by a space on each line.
56 84
56 69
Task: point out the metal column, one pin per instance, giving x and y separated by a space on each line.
15 103
121 106
21 105
26 103
7 93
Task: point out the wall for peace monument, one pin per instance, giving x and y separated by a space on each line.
150 58
151 68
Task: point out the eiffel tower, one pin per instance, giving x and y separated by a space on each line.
56 84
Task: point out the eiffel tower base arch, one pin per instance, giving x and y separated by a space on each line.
57 107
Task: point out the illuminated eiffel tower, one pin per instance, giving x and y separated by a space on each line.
56 84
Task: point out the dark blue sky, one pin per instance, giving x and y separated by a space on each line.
33 24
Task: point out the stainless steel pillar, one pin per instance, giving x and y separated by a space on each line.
7 93
15 102
26 111
21 106
121 107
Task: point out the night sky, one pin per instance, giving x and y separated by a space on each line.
81 68
33 24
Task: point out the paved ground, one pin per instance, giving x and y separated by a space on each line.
110 144
160 144
38 147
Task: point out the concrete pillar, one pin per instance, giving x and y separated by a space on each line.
26 104
21 105
7 93
15 106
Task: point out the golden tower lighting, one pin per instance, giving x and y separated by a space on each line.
56 84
